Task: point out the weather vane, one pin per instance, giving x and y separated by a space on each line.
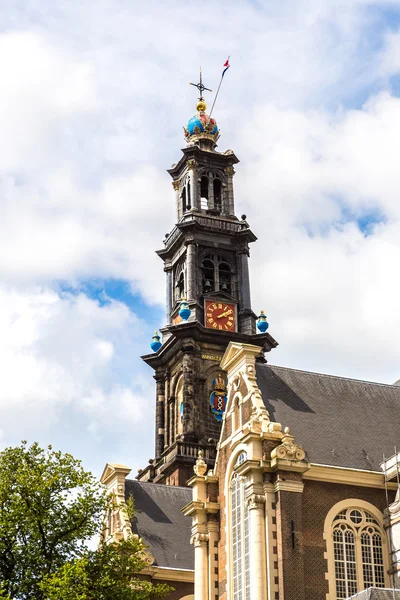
201 87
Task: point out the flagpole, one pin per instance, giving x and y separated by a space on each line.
216 95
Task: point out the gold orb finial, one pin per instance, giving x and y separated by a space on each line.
201 106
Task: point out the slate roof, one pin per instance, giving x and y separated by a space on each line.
377 594
161 524
338 421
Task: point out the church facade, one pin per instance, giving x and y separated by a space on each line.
267 483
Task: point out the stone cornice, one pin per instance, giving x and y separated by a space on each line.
283 464
346 476
247 465
169 574
288 486
195 506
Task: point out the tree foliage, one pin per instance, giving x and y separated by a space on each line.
105 574
50 508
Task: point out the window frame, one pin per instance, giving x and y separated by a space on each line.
332 523
241 449
217 258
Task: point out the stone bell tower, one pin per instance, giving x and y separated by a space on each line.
208 304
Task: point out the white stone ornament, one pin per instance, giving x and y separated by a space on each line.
200 467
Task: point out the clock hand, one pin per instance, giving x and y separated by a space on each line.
225 314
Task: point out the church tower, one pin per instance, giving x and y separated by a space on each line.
208 304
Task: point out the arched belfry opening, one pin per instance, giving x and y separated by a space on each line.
180 290
217 189
204 193
225 277
184 199
186 196
208 273
216 273
211 191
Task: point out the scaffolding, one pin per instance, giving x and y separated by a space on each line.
391 470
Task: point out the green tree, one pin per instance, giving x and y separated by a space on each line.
105 574
50 508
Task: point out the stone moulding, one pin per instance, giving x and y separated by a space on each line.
288 450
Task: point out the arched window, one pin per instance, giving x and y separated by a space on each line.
217 185
216 274
224 277
186 195
179 281
184 199
208 273
356 551
240 538
204 192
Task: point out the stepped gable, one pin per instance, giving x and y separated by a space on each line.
161 524
338 421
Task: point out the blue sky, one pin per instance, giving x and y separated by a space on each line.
94 99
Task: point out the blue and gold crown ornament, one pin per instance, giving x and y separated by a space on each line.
184 310
156 343
262 324
201 125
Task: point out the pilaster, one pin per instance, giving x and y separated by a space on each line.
188 424
160 402
193 169
287 461
255 500
229 172
270 538
191 270
168 293
205 532
176 186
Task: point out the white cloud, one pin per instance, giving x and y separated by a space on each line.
44 91
58 353
93 98
331 290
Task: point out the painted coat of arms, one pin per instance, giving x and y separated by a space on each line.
218 397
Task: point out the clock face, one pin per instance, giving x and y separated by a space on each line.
220 315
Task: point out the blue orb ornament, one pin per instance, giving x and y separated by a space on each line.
184 310
262 324
201 123
155 344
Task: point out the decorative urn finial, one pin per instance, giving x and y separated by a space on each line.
262 324
156 343
200 467
184 310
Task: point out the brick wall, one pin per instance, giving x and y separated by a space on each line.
222 557
299 539
318 499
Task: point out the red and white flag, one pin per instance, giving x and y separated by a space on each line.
226 67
